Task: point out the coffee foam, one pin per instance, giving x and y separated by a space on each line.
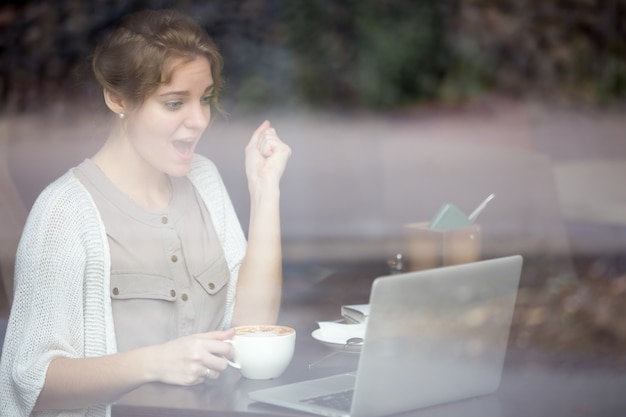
261 331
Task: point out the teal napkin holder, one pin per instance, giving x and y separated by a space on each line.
449 217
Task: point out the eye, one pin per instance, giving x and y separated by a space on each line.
207 99
173 105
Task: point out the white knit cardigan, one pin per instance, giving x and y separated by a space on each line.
62 304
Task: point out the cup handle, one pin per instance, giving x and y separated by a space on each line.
232 363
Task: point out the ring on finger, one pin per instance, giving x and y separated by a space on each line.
208 373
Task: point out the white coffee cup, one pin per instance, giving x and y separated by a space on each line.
263 351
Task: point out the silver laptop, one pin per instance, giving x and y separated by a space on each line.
432 337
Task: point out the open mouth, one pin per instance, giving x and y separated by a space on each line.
185 147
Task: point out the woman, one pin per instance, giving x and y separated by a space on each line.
132 266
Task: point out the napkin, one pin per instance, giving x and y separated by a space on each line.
335 332
357 313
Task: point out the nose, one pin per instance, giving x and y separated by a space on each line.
198 117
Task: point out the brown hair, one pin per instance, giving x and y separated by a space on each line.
130 60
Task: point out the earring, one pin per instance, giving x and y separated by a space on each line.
121 115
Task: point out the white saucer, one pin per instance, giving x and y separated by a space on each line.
336 344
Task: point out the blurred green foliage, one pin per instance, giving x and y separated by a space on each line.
366 53
571 49
345 54
385 54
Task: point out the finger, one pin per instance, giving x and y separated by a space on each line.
213 348
219 334
276 147
268 142
212 373
215 364
259 130
266 123
218 349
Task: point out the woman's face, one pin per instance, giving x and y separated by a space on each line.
165 130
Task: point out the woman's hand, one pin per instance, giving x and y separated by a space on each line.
185 361
266 156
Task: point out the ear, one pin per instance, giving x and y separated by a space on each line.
114 102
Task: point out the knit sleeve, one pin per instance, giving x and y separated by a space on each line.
206 178
59 262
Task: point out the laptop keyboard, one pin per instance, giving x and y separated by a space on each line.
337 400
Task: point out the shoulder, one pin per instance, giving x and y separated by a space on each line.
65 192
64 201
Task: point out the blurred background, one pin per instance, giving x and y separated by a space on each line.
369 54
392 108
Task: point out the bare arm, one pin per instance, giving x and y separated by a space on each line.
79 383
260 275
